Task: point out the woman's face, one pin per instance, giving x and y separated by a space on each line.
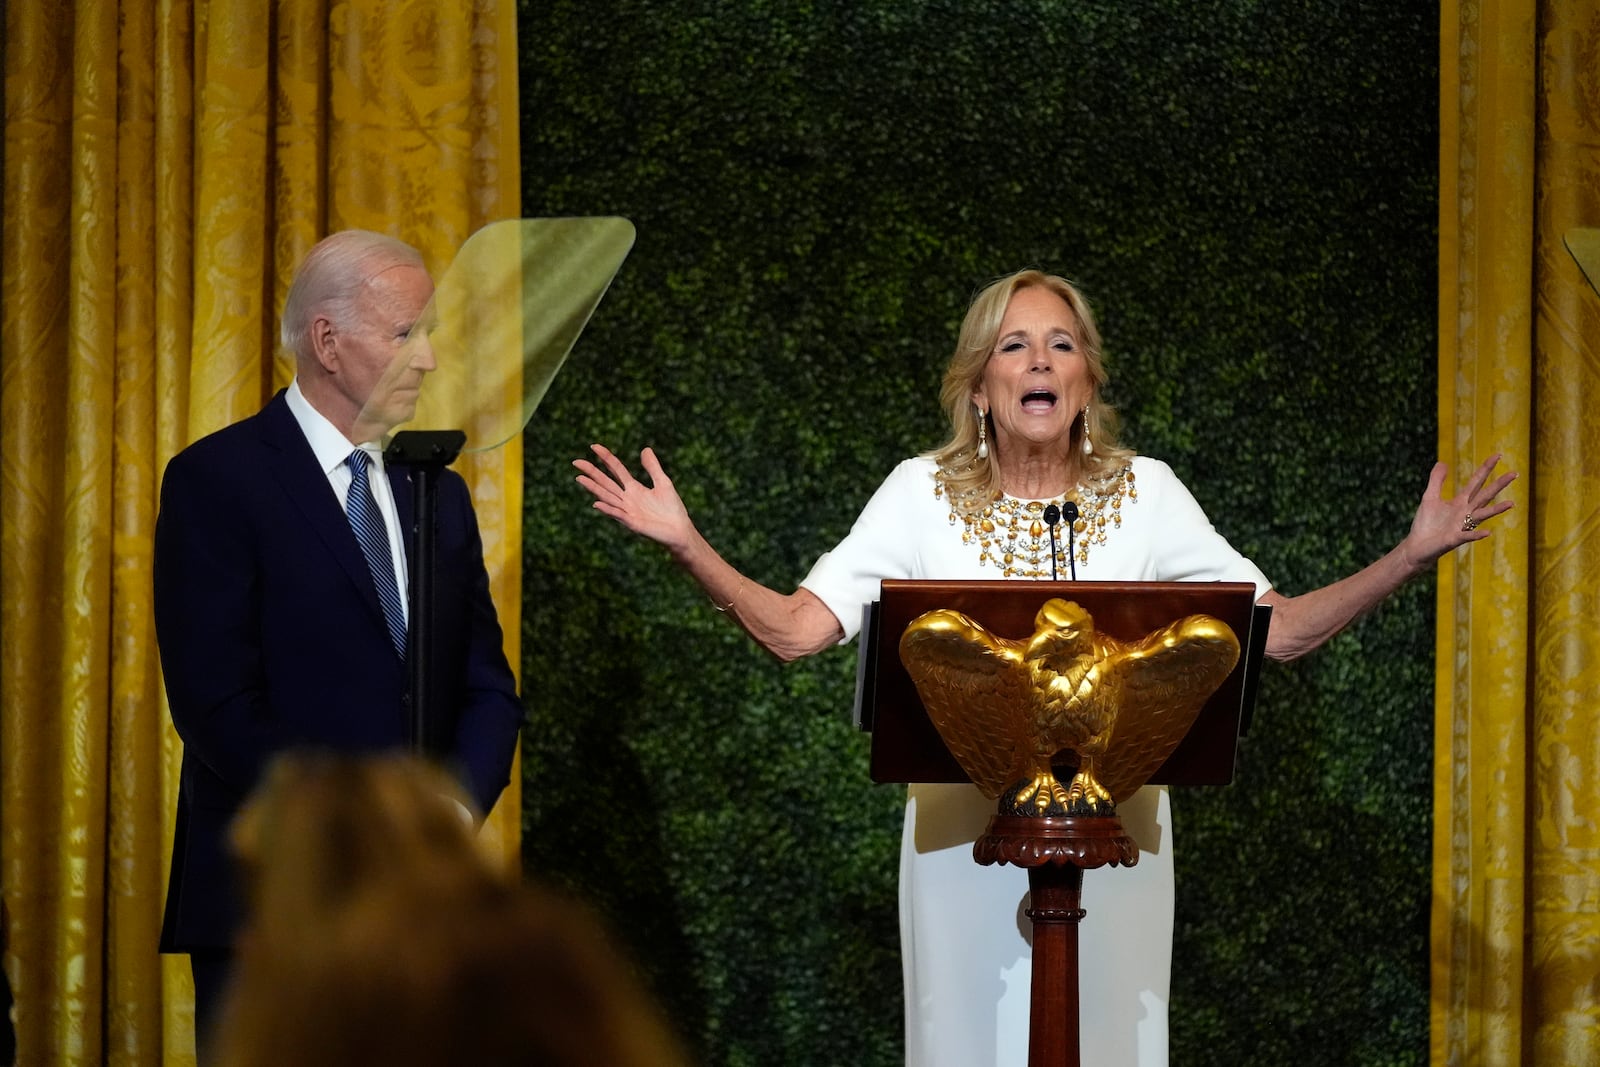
1037 379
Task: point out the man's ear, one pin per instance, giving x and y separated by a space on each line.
324 343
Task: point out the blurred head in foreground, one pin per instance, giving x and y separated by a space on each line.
380 933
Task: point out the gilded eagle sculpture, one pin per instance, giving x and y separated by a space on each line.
1010 710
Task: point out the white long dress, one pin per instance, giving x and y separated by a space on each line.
965 940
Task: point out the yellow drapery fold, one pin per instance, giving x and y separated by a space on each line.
167 163
1516 913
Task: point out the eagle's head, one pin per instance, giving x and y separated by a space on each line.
1062 633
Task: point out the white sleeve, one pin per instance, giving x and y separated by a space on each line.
878 546
1191 550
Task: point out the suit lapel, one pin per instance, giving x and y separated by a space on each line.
294 466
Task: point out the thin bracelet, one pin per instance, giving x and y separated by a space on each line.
737 590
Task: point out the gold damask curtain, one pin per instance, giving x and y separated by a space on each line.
167 163
1516 914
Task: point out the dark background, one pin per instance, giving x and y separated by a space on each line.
1247 192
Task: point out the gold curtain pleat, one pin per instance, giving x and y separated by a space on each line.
1516 910
167 164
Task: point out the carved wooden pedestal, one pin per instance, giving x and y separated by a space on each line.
1056 851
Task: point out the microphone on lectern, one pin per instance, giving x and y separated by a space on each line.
1052 515
1069 511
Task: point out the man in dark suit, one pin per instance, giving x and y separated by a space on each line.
279 610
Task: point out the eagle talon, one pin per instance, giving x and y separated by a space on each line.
1086 796
1053 797
1039 796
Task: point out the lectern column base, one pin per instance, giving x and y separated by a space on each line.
1056 851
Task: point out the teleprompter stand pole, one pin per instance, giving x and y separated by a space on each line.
425 453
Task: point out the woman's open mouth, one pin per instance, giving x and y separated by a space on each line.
1038 401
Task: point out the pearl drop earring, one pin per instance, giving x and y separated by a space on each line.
1088 445
983 434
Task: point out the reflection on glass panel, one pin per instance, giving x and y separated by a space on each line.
502 320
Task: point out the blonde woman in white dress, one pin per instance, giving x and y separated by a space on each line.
1028 424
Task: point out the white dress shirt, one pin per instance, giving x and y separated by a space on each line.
332 449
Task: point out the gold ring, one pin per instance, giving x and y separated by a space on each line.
1469 523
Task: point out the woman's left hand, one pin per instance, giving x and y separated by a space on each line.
1302 623
1441 524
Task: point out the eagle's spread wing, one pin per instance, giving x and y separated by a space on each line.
976 691
1168 676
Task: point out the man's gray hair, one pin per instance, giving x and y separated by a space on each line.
331 276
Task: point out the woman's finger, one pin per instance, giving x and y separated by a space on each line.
1481 475
617 468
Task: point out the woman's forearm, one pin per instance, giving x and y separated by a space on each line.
1308 621
787 625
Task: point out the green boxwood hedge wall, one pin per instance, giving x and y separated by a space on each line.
1247 191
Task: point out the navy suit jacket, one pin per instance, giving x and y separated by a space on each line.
272 637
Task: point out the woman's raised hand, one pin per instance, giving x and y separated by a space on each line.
1441 524
654 511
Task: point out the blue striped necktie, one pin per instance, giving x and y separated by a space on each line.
367 522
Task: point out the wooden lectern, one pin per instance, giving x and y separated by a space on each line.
1055 850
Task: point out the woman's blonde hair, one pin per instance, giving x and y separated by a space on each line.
380 931
972 483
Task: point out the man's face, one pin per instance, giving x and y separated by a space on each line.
383 352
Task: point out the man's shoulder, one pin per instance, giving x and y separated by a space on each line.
455 492
228 444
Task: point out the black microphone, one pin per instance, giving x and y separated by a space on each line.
1052 515
1069 511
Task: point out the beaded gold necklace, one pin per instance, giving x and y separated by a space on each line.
1011 533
